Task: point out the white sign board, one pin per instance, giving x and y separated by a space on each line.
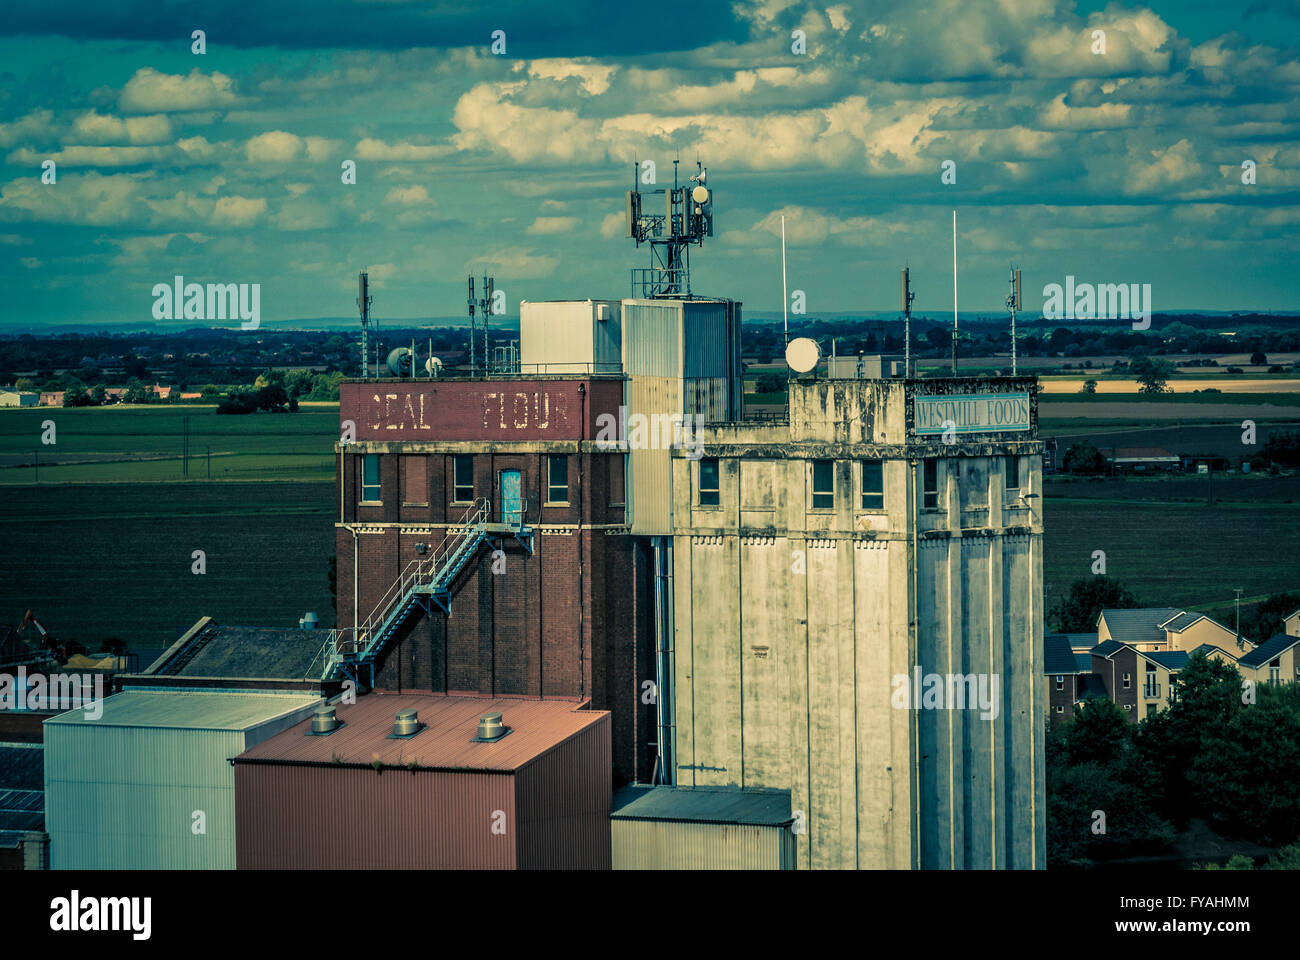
969 413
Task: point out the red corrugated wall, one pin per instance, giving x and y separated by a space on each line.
563 800
328 818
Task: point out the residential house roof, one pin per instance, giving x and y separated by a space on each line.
1209 648
1169 659
1270 648
1181 622
1057 655
1108 648
1083 662
1139 624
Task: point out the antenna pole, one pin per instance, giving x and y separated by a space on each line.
785 294
907 297
1013 304
954 293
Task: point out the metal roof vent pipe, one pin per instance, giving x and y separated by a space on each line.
407 724
323 721
491 728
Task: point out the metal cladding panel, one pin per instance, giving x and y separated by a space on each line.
566 336
706 397
336 817
649 461
542 409
706 338
121 797
563 800
663 845
652 331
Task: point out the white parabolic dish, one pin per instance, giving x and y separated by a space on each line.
802 354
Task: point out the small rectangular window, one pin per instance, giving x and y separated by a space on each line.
823 497
1126 681
873 485
709 482
370 477
1060 709
1013 473
463 481
1060 683
930 485
557 478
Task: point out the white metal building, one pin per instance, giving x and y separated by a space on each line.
148 784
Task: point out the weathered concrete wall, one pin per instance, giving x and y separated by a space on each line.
792 623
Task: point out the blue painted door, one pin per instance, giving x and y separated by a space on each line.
512 498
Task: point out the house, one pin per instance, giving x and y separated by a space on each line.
1143 459
1070 677
18 398
1167 628
1276 660
1139 682
162 393
1291 624
52 398
114 394
191 396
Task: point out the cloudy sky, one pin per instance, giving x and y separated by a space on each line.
1122 166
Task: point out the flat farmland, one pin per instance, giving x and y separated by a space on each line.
145 443
1167 545
114 560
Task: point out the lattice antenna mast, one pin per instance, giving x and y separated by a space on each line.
1013 304
907 296
686 219
364 300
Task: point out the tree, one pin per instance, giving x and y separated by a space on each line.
1282 448
1151 373
136 367
76 397
1083 457
25 384
770 383
1078 611
1089 386
1258 357
238 403
272 398
1265 621
98 395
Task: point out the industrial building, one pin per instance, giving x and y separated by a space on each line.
148 784
429 782
823 563
706 828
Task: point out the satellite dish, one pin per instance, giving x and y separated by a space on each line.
700 195
399 362
802 354
433 367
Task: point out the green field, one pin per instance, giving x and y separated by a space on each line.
127 444
1167 545
101 561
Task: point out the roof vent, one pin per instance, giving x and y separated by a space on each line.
490 727
323 721
407 724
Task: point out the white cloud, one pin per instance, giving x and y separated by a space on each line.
549 225
150 91
613 225
370 148
274 146
238 211
98 127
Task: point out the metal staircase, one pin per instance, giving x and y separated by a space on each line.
423 583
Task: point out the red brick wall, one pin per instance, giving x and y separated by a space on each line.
477 409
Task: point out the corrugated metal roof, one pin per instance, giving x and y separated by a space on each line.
211 649
22 766
703 805
22 809
196 710
447 740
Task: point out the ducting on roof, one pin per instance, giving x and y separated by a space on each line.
324 721
407 724
490 727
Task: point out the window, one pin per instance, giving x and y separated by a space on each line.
1060 709
463 481
709 481
1060 683
1013 473
1126 681
370 477
1152 688
1128 706
823 497
557 478
1275 671
930 485
873 485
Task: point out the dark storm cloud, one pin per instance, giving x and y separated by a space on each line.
584 28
